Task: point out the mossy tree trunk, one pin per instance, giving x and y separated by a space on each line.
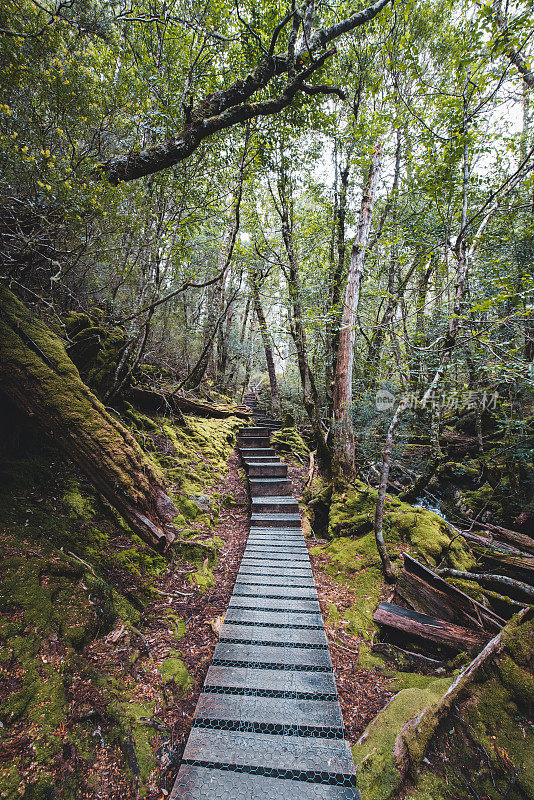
38 376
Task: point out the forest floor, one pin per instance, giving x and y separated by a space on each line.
362 692
105 645
202 613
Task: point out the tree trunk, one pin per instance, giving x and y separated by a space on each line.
338 268
273 383
37 375
378 336
154 401
343 434
381 495
310 394
498 582
423 626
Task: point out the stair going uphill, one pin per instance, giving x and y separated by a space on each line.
268 724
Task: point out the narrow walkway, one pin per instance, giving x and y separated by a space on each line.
268 724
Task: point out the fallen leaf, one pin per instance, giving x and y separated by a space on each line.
217 624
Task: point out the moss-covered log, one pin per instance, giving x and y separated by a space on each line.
152 401
38 376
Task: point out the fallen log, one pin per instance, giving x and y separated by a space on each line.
426 627
429 593
519 540
37 375
502 554
491 581
412 741
407 659
158 400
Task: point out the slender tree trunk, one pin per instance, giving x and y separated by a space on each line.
311 399
37 375
450 341
273 383
336 278
388 570
343 434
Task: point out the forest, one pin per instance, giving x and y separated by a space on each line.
326 209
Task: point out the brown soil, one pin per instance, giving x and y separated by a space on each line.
362 692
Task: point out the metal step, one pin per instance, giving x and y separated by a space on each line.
275 520
269 487
249 452
196 782
253 441
274 504
259 470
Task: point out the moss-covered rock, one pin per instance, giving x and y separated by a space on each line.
378 775
174 669
428 535
490 721
288 441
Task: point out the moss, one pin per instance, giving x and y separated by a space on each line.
177 622
333 615
288 441
355 562
130 717
480 500
139 420
199 458
428 535
188 507
459 472
517 680
203 577
496 718
430 787
488 738
378 776
174 669
125 610
77 505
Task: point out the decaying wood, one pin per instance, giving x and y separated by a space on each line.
519 540
37 375
498 582
426 627
414 737
431 594
158 400
416 661
503 554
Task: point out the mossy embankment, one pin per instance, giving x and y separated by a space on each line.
484 747
346 518
84 676
288 442
491 731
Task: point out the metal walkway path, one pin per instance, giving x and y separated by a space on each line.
268 724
